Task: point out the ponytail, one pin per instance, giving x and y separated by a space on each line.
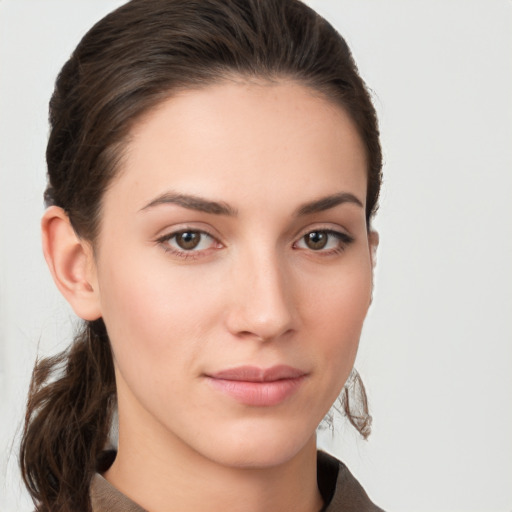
68 420
354 403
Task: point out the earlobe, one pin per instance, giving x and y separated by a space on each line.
71 263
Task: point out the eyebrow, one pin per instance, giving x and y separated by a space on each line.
326 203
192 202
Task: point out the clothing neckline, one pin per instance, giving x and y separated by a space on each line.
340 491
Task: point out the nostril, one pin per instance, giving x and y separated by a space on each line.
262 305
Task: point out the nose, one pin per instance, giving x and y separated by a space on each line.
262 303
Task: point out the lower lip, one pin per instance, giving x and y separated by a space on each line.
259 394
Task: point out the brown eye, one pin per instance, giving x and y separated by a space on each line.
324 241
189 244
188 240
316 240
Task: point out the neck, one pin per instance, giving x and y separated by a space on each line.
156 473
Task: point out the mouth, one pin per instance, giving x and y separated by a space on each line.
258 387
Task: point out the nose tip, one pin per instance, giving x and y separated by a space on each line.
261 327
262 306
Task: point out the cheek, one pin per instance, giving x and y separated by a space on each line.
152 312
335 309
340 298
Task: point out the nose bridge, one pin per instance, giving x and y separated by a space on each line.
262 303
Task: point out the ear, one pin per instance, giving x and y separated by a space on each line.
71 263
373 244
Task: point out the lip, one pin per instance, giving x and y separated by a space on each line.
259 387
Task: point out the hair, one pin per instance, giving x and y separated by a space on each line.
129 62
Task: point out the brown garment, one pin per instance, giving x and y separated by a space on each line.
340 491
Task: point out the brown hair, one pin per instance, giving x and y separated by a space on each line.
124 66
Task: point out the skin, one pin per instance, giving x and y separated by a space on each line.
252 292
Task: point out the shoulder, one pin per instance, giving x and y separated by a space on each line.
340 489
106 498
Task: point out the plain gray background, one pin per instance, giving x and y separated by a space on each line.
436 352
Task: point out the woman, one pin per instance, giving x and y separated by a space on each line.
213 168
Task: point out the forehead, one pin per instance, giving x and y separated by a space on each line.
240 139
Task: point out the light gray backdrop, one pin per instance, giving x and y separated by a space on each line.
436 352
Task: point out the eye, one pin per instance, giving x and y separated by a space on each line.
187 241
324 240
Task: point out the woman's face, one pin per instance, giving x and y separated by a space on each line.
234 270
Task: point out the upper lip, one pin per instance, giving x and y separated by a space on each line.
256 374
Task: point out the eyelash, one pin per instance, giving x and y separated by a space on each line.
182 253
343 241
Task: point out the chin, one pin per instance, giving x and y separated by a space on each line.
259 448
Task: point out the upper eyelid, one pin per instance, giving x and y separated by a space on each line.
328 227
169 232
333 232
175 232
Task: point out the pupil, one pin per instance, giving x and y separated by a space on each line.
316 240
188 240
